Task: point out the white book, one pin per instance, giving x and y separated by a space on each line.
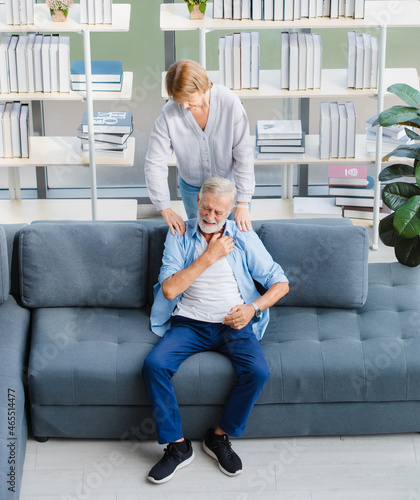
16 12
229 61
246 60
375 62
334 9
351 59
341 8
7 130
308 207
316 37
4 64
15 129
284 73
278 10
293 62
64 64
342 139
24 130
228 9
288 10
360 54
83 12
222 79
1 130
312 8
46 73
236 61
268 10
30 62
91 11
11 52
351 130
9 12
279 129
21 63
309 61
30 11
107 11
324 130
256 10
99 11
359 9
326 8
246 9
22 12
302 60
218 9
255 59
335 129
296 9
349 10
37 52
304 8
367 60
319 8
54 63
236 9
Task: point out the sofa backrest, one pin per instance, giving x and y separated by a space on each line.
97 264
4 267
326 266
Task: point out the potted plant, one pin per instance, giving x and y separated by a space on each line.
401 229
59 9
196 8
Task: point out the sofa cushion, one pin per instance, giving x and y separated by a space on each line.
83 264
326 265
4 268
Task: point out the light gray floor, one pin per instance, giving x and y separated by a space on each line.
303 468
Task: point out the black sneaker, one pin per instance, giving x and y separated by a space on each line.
220 448
171 461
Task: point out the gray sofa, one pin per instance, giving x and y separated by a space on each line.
343 346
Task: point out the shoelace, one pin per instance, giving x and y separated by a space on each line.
225 444
169 452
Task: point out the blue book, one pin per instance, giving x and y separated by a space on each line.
109 122
102 71
366 191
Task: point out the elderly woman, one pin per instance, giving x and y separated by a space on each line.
206 126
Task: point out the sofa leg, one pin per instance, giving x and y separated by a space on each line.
41 439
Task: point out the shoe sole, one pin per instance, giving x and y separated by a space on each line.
213 455
168 478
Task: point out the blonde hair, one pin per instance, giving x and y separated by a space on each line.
219 186
185 78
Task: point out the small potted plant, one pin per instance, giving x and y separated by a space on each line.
59 9
196 8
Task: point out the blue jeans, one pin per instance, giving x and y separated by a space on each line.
187 337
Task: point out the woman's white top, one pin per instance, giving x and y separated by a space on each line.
222 149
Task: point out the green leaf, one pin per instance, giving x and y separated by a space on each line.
406 151
407 93
387 233
411 134
408 251
407 218
397 114
395 171
202 7
394 195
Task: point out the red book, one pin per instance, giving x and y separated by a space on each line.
342 175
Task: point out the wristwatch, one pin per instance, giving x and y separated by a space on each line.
257 310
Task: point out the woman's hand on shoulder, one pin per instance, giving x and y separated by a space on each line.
173 220
243 217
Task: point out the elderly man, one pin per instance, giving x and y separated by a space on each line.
206 299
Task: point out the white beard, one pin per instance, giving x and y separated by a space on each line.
209 229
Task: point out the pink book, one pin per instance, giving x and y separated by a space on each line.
339 175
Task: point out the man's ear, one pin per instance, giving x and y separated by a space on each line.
198 198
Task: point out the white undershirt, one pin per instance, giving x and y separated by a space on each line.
212 294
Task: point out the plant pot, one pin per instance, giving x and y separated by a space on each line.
59 16
196 13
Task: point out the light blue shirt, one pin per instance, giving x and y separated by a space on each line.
249 260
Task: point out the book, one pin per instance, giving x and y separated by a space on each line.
64 63
236 9
23 17
288 10
393 131
359 9
285 148
30 11
30 62
91 12
111 138
107 11
37 53
268 11
256 10
317 60
284 69
293 61
291 157
302 61
246 9
334 9
278 10
375 63
255 59
24 130
309 61
351 130
11 53
324 131
367 60
7 130
355 201
351 59
97 86
99 11
110 153
46 69
104 146
54 62
367 191
354 212
246 60
1 130
218 9
296 10
222 77
279 129
236 61
109 122
15 129
279 142
228 9
349 8
360 64
4 64
346 173
335 129
308 207
342 134
101 71
21 63
229 61
83 12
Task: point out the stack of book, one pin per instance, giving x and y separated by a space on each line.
337 130
14 130
362 61
239 60
96 11
107 76
111 132
19 12
287 10
307 207
279 139
301 61
34 63
392 137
